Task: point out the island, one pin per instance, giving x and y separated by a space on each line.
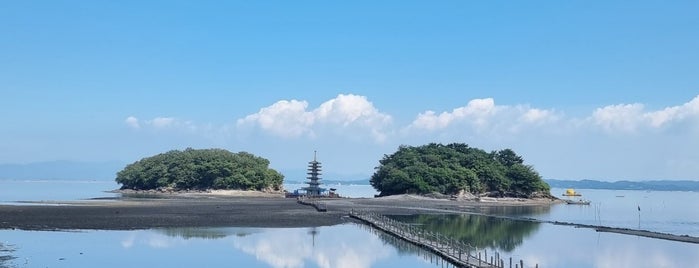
408 180
201 169
457 169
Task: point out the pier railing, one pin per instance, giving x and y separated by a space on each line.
454 251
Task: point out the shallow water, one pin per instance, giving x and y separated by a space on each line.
551 245
352 245
347 245
668 212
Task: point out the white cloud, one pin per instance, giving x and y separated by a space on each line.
132 122
292 119
621 117
627 118
534 116
287 119
483 116
476 112
674 113
161 122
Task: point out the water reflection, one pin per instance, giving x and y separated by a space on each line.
207 233
349 245
523 211
478 231
342 246
6 255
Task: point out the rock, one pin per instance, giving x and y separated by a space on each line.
464 196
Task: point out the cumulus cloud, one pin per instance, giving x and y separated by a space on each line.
483 115
160 123
626 118
623 117
477 112
132 122
355 117
536 116
292 119
284 118
674 113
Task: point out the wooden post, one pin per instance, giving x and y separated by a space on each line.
510 262
521 263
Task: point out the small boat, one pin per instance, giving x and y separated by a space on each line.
578 202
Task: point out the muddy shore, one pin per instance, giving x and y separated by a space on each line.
200 210
206 210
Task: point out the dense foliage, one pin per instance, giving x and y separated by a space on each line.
200 169
455 168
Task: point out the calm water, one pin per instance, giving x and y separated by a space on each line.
12 191
669 212
213 247
352 245
551 245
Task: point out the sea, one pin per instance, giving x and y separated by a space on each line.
356 245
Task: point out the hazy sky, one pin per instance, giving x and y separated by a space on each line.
581 89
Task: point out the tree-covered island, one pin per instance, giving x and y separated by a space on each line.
201 169
456 169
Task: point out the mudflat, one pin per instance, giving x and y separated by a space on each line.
261 210
200 210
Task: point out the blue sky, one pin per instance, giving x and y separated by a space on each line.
581 89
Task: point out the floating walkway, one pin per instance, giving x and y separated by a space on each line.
455 252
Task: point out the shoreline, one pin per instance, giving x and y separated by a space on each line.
196 193
243 209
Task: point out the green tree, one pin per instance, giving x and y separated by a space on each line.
453 168
200 169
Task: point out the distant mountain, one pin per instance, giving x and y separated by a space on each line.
332 182
299 175
656 185
61 170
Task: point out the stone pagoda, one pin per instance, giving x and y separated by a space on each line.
313 182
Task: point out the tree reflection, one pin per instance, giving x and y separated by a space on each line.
207 233
513 210
478 231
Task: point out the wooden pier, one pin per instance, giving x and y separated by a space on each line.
455 252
